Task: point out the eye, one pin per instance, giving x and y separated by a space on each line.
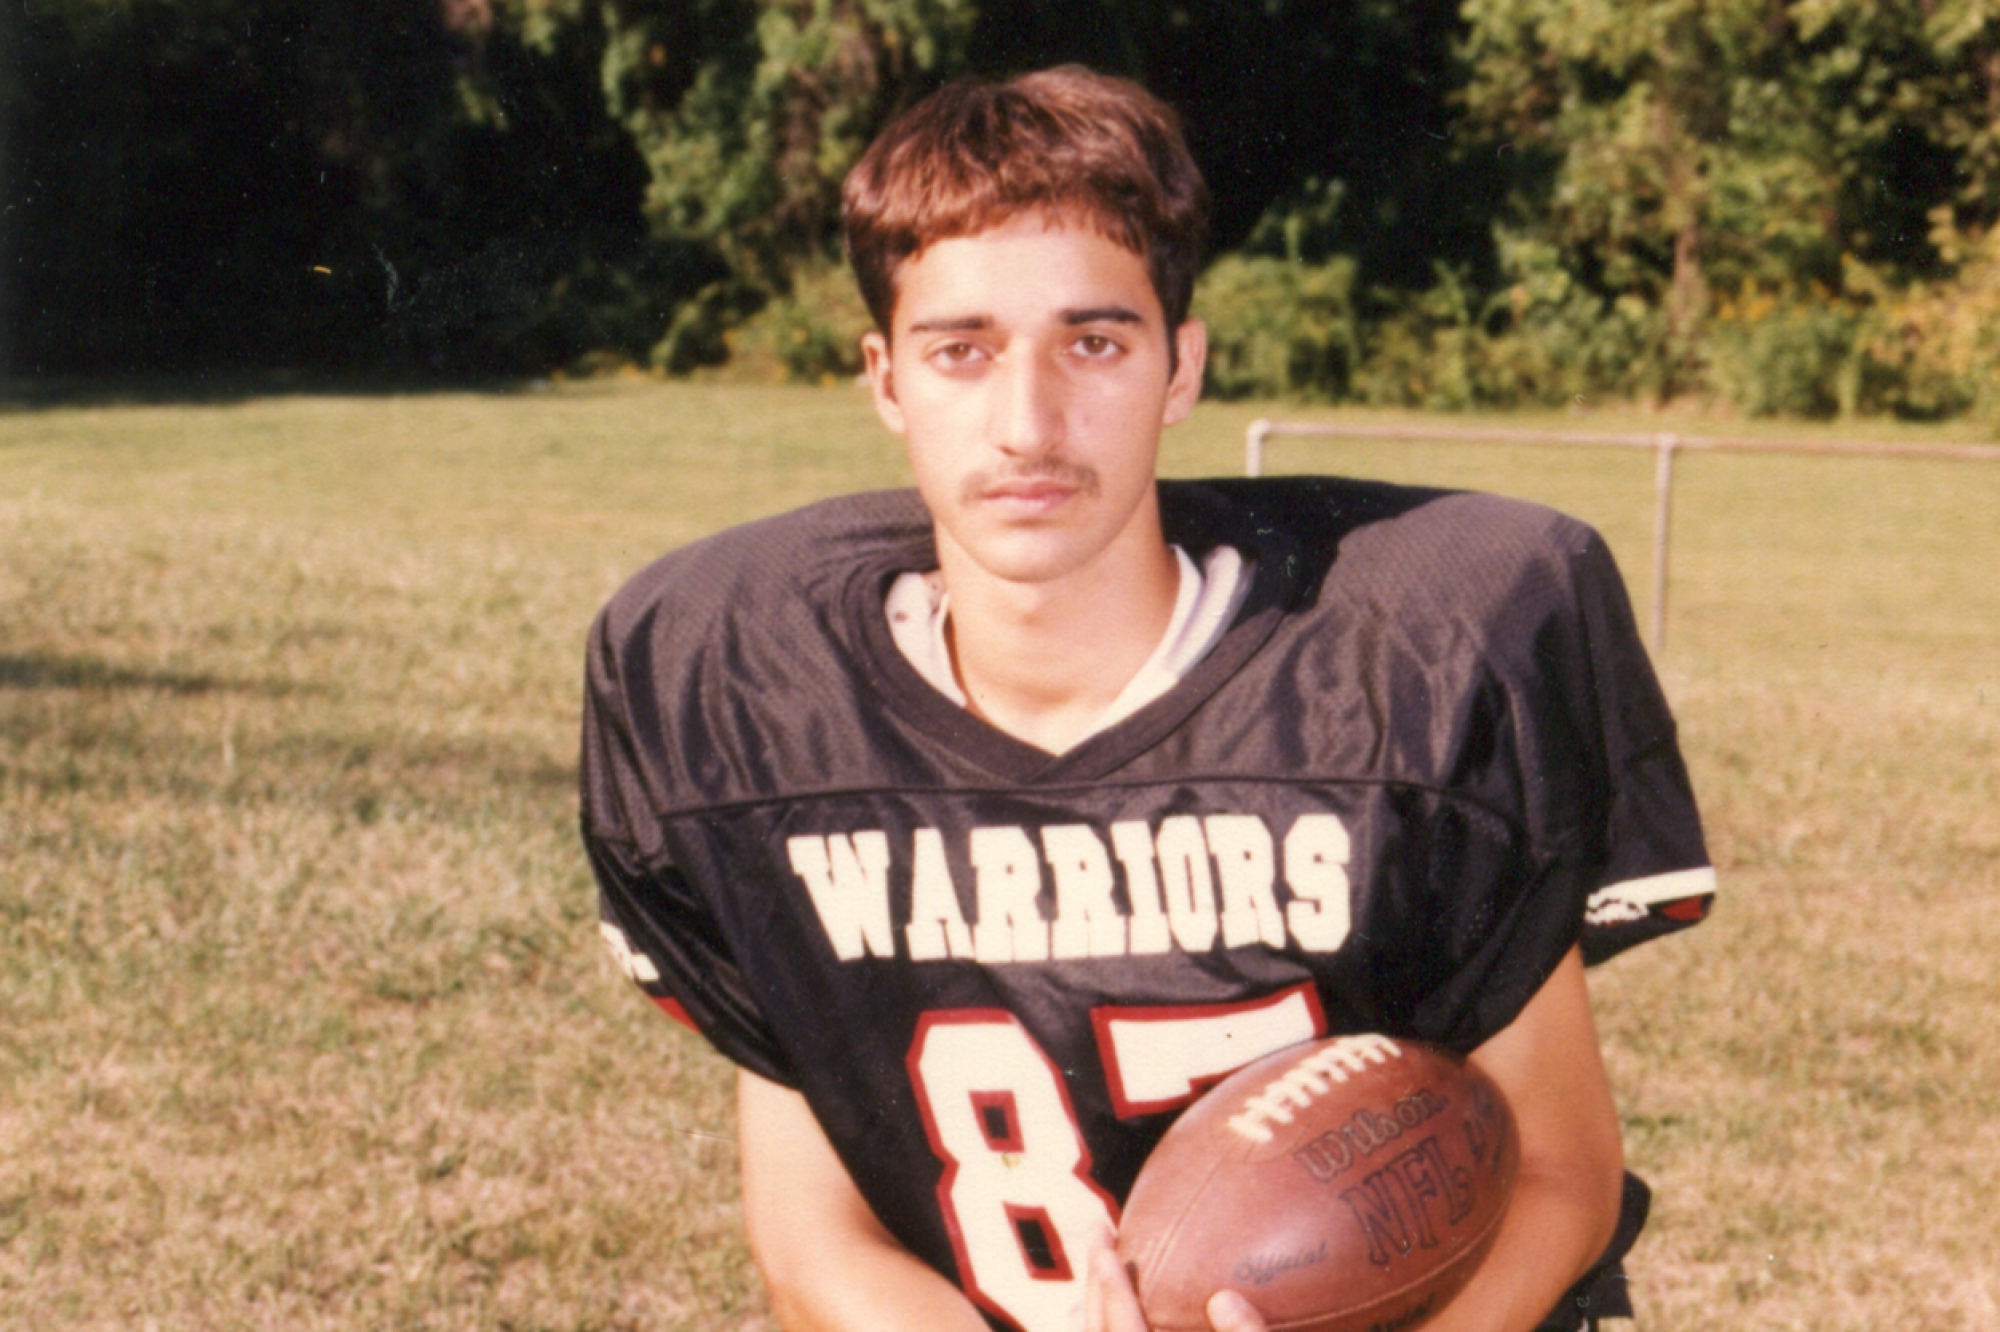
953 355
1097 346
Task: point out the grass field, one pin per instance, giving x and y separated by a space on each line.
305 1022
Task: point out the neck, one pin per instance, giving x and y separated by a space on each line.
1043 661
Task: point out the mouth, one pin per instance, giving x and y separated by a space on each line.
1028 494
1031 495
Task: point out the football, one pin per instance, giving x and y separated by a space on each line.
1345 1185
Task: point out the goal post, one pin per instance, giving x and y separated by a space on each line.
1664 445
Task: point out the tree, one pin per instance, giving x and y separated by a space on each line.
214 184
1671 150
10 54
749 114
1287 101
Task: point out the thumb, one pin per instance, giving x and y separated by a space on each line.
1230 1312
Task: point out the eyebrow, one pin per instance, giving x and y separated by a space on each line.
1090 314
1103 314
952 324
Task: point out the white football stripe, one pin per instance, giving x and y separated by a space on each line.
1660 887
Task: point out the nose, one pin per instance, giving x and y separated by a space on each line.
1027 409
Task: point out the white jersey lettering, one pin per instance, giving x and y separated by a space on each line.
937 927
1187 883
1007 879
1317 850
848 879
1087 922
1198 883
1241 845
1133 842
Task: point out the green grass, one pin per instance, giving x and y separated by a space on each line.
306 1025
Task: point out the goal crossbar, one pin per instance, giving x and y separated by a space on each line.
1664 445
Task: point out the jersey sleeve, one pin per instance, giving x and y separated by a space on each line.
1609 840
1655 876
659 927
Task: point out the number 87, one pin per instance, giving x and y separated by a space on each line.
1017 1195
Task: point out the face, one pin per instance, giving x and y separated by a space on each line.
1028 373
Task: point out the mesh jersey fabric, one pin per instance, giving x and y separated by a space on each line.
1428 756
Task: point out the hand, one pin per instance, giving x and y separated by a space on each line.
1112 1305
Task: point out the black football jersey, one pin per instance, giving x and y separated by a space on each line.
1427 758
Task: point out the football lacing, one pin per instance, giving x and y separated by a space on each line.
1319 1072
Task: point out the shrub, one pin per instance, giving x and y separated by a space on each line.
1551 339
1939 343
1542 338
1787 353
811 334
1423 350
699 333
1279 328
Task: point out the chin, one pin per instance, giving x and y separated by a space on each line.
1028 558
1039 550
1029 571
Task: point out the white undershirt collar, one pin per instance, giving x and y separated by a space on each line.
1205 602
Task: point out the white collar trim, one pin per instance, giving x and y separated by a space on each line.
1205 602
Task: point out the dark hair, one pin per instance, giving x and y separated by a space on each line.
1082 147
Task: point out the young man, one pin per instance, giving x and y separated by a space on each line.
984 826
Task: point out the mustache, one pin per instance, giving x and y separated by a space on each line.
1076 476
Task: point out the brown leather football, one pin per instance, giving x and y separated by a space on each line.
1346 1185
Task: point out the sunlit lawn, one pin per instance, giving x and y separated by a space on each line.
305 1024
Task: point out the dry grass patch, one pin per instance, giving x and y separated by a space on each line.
1809 1078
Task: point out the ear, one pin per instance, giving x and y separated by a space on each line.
1191 359
882 380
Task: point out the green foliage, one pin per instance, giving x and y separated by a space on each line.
697 336
748 113
1303 224
1426 349
1551 338
1282 328
281 182
1279 327
1627 121
1938 344
1670 150
810 335
1790 354
1780 204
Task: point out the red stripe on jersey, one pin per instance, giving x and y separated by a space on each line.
1042 1251
1688 908
672 1008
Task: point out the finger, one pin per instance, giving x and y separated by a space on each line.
1230 1312
1093 1295
1102 1246
1111 1291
